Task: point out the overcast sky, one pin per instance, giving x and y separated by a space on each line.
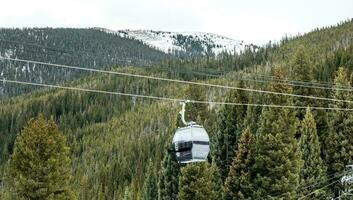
249 20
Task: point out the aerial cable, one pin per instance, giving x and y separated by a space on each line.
305 186
289 83
83 54
313 192
349 89
310 184
177 81
323 84
172 99
318 85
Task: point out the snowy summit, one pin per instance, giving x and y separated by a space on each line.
186 42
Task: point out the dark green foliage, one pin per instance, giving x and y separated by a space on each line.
277 157
313 170
302 71
199 181
194 48
253 115
112 138
150 191
39 168
238 183
91 48
196 112
230 124
216 180
168 183
339 143
74 110
301 68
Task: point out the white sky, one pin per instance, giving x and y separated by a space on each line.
256 21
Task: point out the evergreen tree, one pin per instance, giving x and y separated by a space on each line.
313 170
150 191
238 182
252 115
302 71
216 180
230 124
168 183
195 111
40 164
339 143
277 156
199 181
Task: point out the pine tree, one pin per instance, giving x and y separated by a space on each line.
216 180
301 68
339 143
40 164
238 182
168 183
252 115
196 112
302 71
277 156
313 170
199 181
150 191
230 124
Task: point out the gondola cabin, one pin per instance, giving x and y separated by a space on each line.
191 143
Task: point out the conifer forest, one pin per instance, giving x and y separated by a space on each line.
90 115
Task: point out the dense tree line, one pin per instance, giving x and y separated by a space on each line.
91 48
120 146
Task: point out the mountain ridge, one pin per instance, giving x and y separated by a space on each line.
189 43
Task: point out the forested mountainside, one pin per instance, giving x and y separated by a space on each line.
119 145
78 47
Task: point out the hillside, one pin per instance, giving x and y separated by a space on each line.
113 138
98 48
77 47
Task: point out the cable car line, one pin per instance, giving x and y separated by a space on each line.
269 77
313 192
335 175
289 83
310 184
300 188
172 99
322 83
349 89
318 85
177 81
184 139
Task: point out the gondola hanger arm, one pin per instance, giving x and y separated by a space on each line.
182 112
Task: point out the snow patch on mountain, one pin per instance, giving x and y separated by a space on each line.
169 42
180 41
